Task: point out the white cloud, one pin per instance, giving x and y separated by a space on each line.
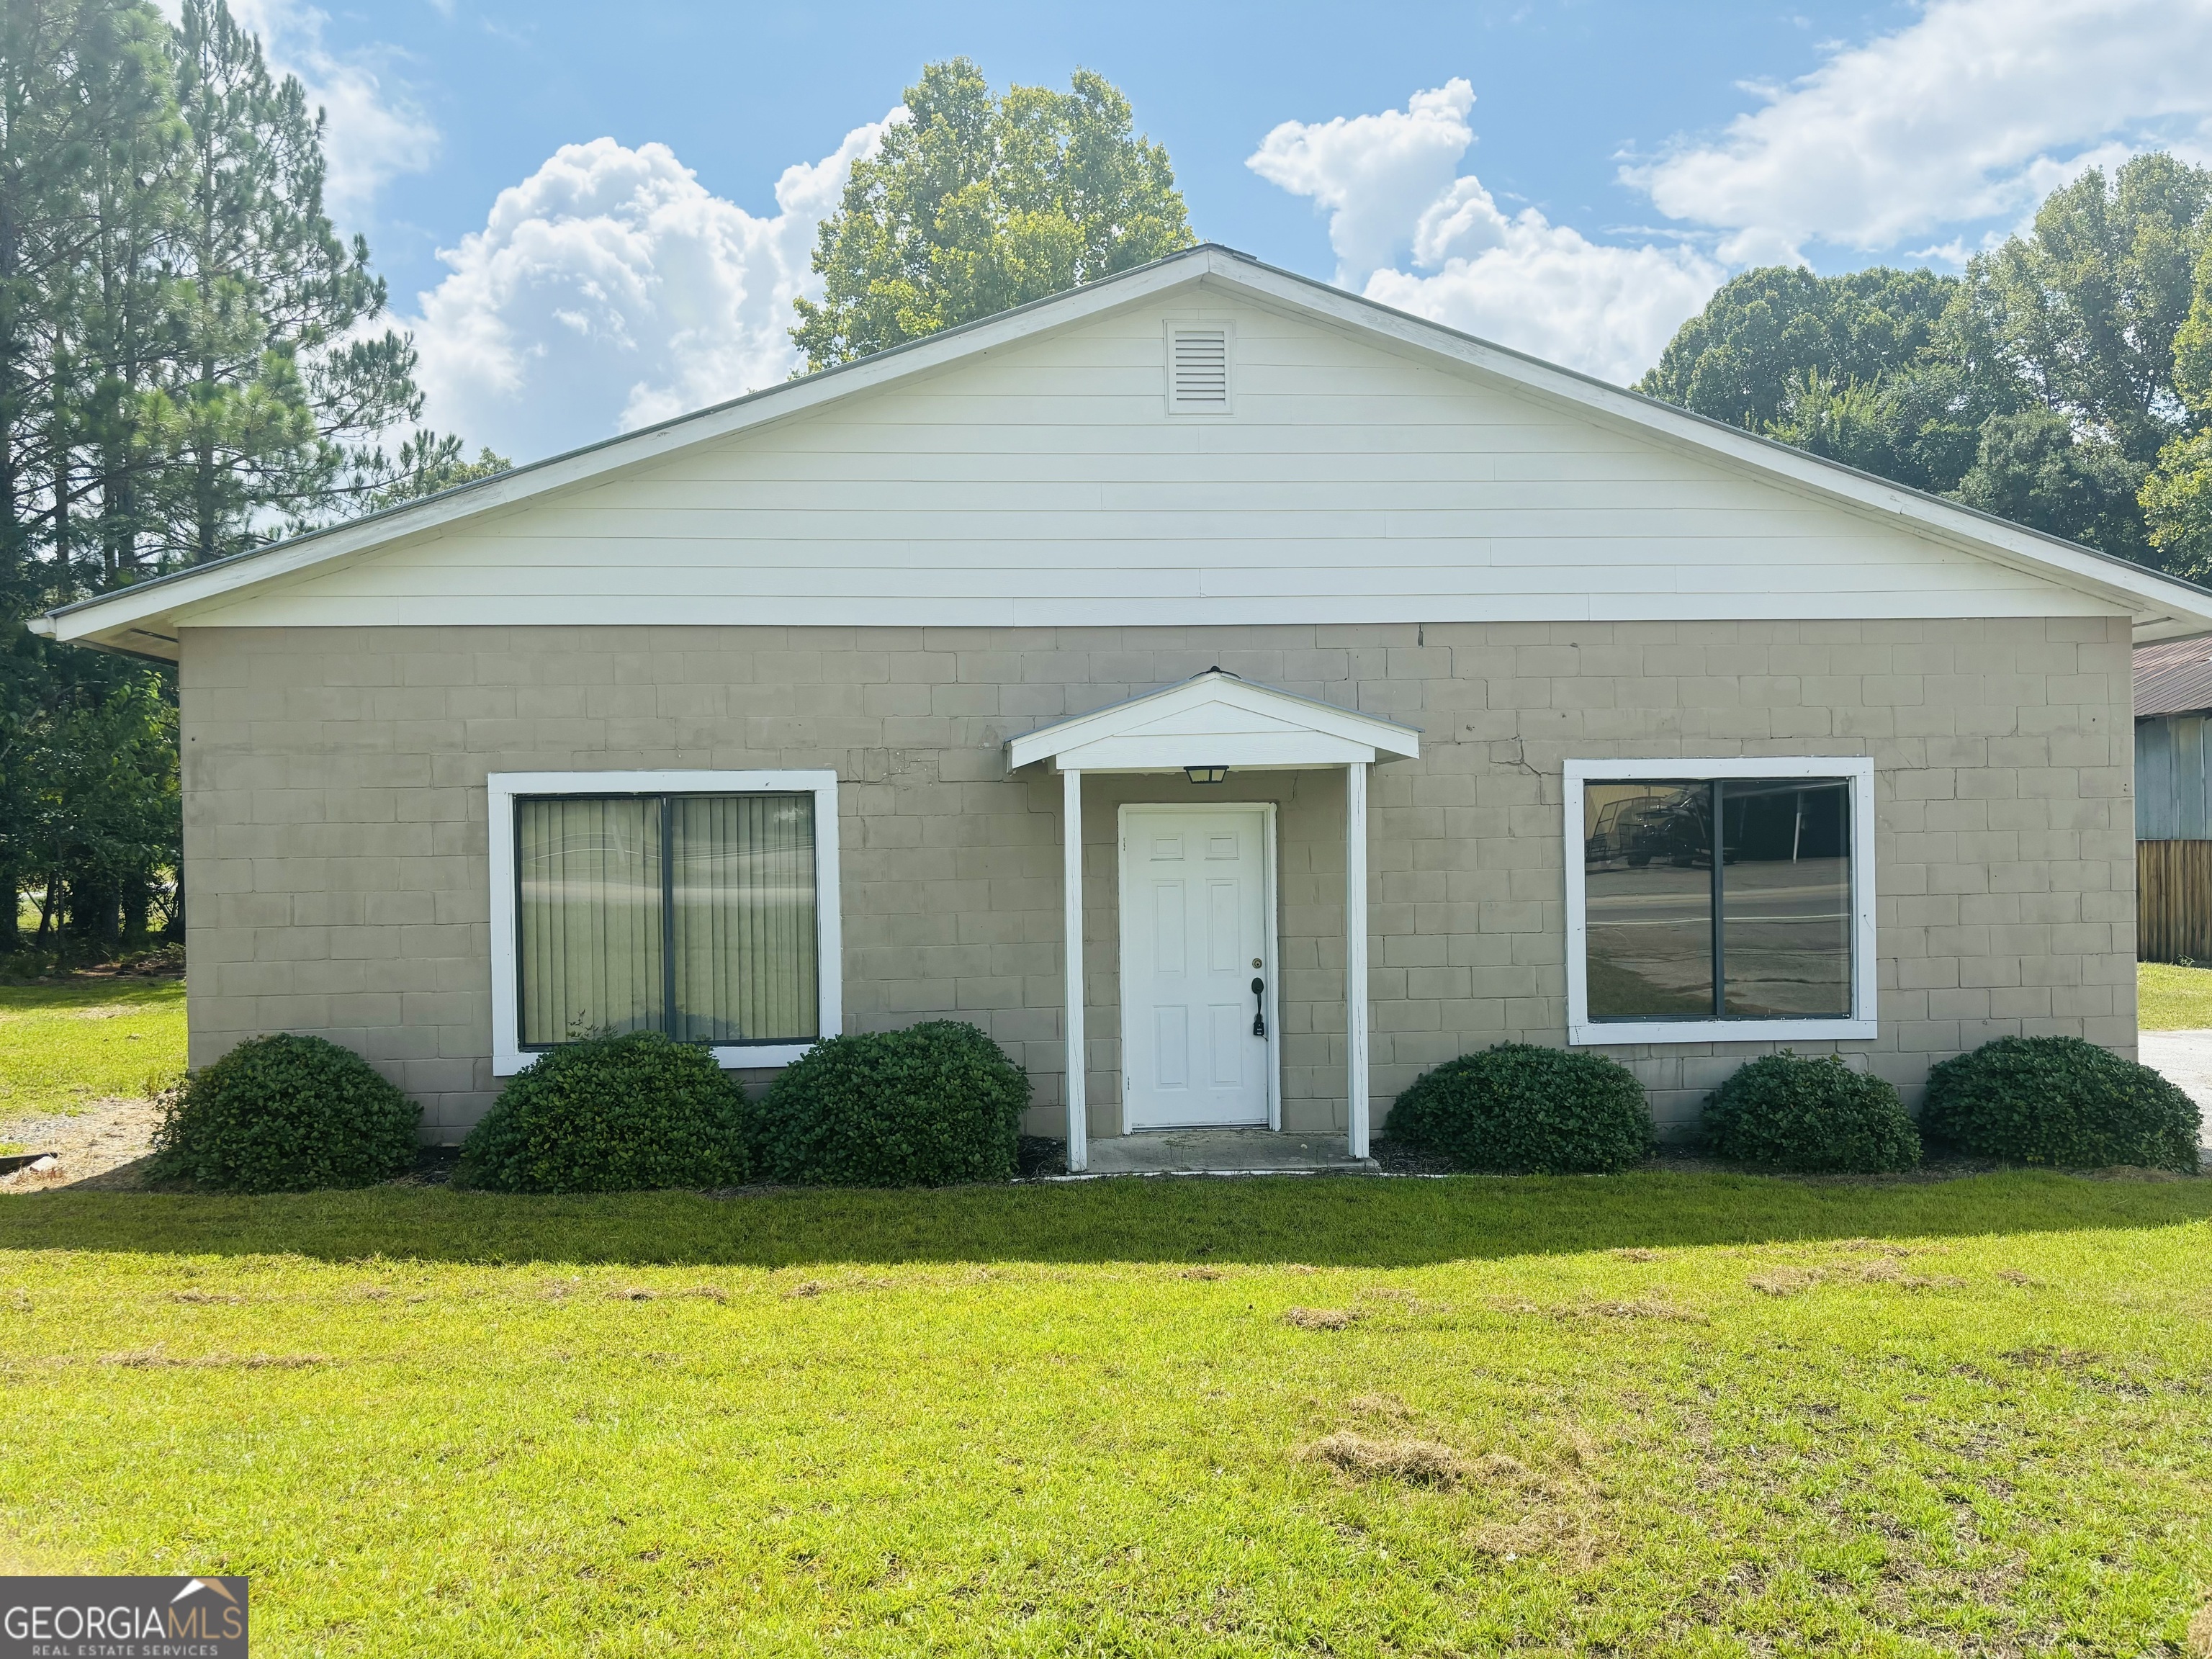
610 289
1377 174
375 133
1973 111
1389 183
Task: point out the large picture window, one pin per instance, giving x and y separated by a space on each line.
1718 898
702 905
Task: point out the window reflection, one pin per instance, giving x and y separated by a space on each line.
1773 920
1786 898
1648 900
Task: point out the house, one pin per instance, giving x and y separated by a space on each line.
1079 671
2174 819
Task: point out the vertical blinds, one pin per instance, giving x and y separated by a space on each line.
691 914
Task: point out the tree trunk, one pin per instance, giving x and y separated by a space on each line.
46 910
106 934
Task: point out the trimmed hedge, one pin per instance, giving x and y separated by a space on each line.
610 1114
1520 1109
2058 1100
1816 1116
287 1113
929 1106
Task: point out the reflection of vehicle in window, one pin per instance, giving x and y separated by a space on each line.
1689 837
1768 936
1614 836
1677 828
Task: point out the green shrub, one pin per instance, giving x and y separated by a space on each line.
1818 1116
1520 1109
610 1114
287 1113
2059 1100
931 1105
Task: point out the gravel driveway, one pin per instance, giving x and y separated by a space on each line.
96 1146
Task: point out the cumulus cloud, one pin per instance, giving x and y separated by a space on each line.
1377 174
375 131
1391 187
610 289
1974 111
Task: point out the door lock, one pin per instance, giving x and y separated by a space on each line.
1259 1014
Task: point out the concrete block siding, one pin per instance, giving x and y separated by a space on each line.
335 819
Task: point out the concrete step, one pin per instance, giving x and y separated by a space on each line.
1222 1152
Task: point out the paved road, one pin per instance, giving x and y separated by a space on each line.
2186 1057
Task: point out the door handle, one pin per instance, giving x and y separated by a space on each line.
1259 1014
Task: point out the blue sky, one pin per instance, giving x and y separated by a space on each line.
740 92
1572 177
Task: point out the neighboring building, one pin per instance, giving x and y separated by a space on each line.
1183 615
2174 820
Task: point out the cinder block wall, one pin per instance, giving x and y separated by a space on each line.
334 828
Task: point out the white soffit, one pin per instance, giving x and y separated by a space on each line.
142 618
1214 719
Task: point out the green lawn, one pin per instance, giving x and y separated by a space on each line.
86 1039
1673 1414
2170 998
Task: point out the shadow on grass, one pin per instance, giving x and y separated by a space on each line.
1325 1222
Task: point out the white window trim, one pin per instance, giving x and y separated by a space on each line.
509 1056
1583 1032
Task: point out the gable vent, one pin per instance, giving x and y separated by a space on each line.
1198 370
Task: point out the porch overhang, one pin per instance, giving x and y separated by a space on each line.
1215 719
1211 720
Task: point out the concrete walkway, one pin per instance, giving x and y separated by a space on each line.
2186 1059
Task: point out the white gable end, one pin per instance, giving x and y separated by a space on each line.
1044 473
1050 484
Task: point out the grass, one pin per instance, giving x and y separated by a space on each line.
63 1045
1660 1414
2172 998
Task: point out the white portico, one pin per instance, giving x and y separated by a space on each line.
1213 873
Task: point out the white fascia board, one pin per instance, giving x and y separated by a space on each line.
1132 721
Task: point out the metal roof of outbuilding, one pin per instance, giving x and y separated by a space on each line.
2173 676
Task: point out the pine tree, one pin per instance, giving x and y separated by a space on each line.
84 115
267 399
185 372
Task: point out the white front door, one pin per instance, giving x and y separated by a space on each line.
1197 1041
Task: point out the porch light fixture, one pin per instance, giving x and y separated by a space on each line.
1205 774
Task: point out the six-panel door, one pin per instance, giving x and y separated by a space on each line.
1194 937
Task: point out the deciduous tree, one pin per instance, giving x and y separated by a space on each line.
2065 381
976 203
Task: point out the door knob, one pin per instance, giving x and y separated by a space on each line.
1259 1014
